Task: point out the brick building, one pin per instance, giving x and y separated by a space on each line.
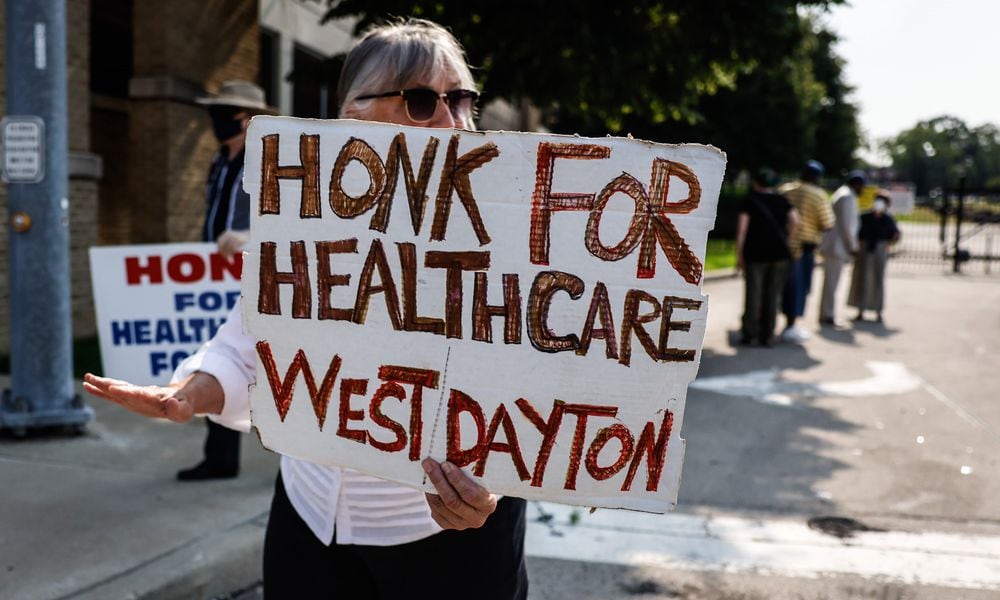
139 145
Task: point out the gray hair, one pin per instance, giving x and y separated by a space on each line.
389 57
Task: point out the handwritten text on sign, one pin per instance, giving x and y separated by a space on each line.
526 306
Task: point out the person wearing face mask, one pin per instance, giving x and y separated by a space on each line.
877 231
335 532
227 217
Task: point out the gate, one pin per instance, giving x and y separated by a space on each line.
957 230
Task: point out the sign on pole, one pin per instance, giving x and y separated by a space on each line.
23 149
526 306
157 303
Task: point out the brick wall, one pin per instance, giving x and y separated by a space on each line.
82 193
196 45
155 150
82 235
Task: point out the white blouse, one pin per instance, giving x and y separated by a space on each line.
361 509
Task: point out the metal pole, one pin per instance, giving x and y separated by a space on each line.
959 215
945 205
42 391
989 252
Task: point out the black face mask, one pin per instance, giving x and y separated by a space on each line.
224 122
225 128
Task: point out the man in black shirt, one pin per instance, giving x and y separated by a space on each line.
765 224
227 209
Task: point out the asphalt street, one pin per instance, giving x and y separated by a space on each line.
861 464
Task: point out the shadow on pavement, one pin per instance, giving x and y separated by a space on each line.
838 335
876 329
755 454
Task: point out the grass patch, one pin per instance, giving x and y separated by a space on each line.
920 214
721 254
86 358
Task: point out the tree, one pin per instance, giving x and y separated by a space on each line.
937 152
681 70
781 113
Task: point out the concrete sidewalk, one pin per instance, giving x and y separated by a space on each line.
101 516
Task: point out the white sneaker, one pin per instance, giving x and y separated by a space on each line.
795 335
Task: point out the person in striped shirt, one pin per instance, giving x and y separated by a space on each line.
815 216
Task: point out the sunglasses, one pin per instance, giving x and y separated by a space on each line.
421 103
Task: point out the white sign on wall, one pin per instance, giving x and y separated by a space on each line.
526 306
157 303
23 140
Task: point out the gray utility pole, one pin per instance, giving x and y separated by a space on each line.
35 161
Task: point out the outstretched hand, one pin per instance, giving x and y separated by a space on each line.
460 502
167 402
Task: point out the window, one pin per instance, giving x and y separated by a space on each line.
269 76
110 47
314 80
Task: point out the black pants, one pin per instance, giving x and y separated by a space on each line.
485 563
222 447
764 282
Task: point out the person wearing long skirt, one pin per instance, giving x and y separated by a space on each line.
877 232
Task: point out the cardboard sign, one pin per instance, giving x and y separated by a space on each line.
156 304
525 306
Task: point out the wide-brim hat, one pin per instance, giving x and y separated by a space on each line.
240 94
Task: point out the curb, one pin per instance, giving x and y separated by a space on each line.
718 274
204 567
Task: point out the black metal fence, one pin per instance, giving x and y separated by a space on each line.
957 230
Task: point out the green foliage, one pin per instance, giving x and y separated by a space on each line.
938 152
720 254
780 113
758 79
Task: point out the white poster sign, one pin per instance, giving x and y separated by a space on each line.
526 306
157 303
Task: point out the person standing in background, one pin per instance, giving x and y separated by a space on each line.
878 230
812 204
227 217
840 243
765 224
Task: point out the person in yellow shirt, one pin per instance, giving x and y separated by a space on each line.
815 216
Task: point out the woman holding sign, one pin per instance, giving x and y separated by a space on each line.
334 532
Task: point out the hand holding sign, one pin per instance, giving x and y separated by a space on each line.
460 503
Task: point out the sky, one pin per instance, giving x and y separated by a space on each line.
911 60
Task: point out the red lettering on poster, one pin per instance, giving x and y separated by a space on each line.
458 403
654 446
419 379
502 418
348 388
282 388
